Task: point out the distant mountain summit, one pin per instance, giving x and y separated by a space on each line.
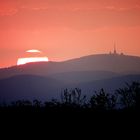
116 63
108 62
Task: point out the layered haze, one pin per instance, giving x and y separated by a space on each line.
47 46
47 80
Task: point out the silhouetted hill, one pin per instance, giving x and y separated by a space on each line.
109 85
46 80
29 87
104 62
76 77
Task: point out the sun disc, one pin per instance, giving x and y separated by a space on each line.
22 61
33 51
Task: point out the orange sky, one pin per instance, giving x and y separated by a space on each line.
65 29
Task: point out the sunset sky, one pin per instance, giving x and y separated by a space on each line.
64 29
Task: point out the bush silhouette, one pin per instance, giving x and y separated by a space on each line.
37 103
103 101
129 96
21 103
73 97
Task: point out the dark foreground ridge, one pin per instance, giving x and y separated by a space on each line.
125 99
102 112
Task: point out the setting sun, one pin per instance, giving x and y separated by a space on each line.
22 61
33 51
33 56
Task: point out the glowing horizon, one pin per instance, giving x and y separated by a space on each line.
67 29
33 51
22 61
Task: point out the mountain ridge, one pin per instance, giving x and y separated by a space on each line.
103 62
30 87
